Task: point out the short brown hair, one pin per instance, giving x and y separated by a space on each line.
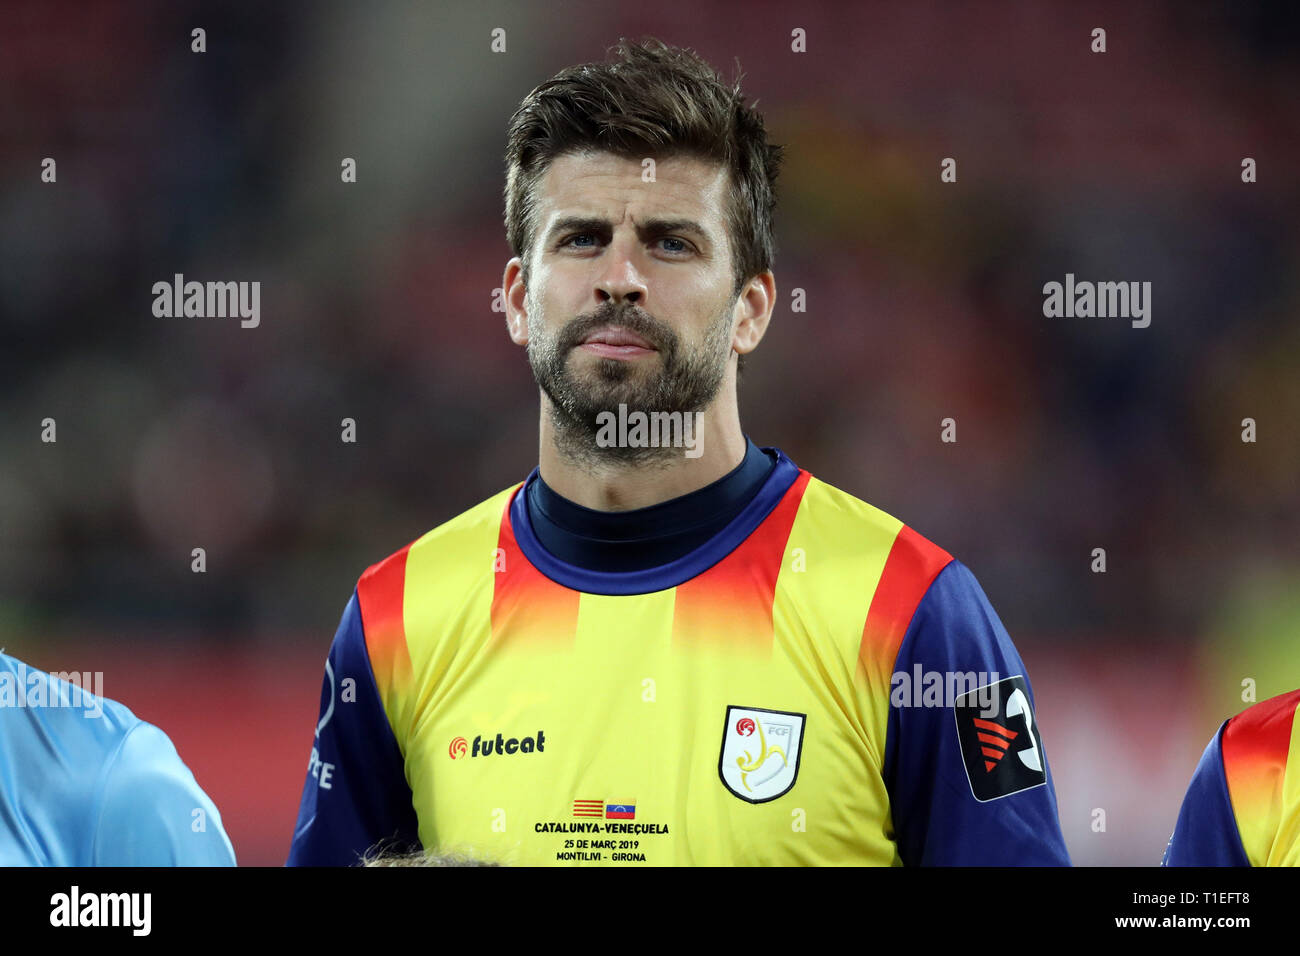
653 100
377 856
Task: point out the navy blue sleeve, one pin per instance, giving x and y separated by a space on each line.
967 775
356 795
1206 832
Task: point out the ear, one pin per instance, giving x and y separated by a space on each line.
753 311
516 297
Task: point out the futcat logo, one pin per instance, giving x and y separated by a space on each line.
500 745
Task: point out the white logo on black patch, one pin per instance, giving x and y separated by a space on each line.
1000 743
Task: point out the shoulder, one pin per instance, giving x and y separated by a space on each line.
447 545
60 714
1270 718
828 506
1254 749
143 768
824 503
63 745
150 811
909 562
441 565
1256 742
924 602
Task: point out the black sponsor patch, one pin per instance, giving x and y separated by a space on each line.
1000 743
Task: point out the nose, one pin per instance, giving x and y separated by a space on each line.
620 282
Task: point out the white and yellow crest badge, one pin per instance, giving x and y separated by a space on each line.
760 752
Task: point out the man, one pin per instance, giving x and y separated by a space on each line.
84 782
678 648
1242 807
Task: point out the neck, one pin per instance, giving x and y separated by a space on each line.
596 479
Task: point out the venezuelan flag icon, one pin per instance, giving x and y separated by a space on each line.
620 811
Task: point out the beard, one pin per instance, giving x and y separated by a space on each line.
685 378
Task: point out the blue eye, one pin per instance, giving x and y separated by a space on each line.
571 241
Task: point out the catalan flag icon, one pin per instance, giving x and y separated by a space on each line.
588 808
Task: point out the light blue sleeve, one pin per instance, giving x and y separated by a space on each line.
152 812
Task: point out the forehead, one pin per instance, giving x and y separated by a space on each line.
609 185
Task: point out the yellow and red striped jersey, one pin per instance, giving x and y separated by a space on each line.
1243 805
817 684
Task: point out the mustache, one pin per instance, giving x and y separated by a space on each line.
634 320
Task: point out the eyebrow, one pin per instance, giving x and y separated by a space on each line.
650 229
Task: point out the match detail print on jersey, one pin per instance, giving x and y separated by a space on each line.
760 753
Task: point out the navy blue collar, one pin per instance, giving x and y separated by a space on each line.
781 474
644 537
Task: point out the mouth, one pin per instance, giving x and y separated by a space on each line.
616 342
